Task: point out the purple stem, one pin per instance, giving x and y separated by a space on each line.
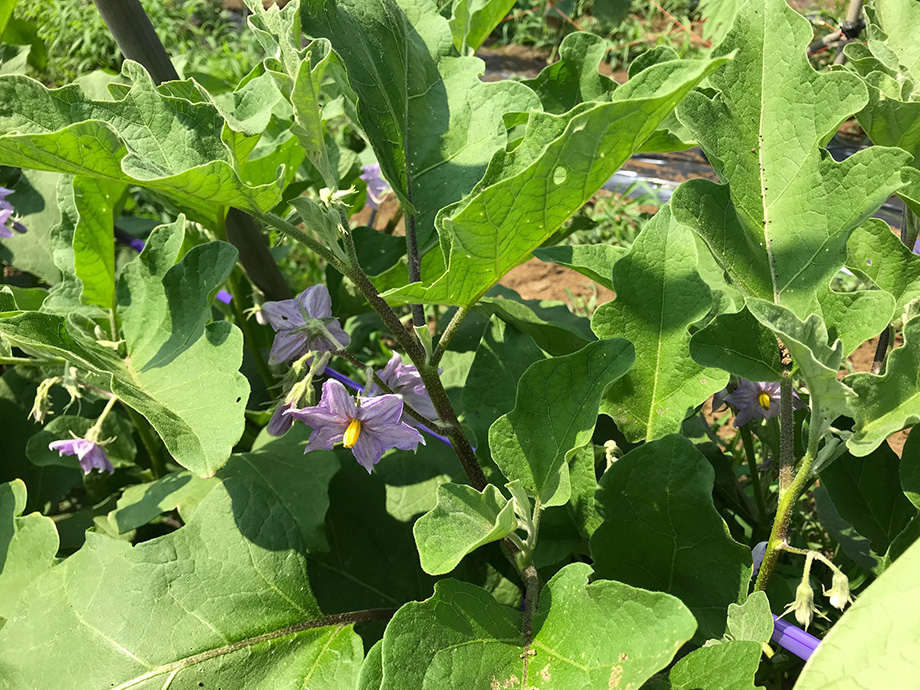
793 639
137 245
341 378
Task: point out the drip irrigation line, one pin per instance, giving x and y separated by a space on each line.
793 639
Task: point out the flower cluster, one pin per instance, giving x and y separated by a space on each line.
405 381
7 222
754 400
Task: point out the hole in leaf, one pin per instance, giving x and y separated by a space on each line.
559 175
868 262
238 399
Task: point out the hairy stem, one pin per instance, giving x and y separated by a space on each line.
448 333
415 267
881 351
786 432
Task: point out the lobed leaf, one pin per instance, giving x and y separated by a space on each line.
659 295
876 253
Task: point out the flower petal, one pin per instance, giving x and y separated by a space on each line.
316 302
324 438
367 451
67 446
401 436
280 423
287 346
284 314
380 412
95 457
338 401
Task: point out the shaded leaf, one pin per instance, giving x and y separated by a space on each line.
659 295
661 531
910 468
740 345
593 260
141 503
34 198
727 666
554 414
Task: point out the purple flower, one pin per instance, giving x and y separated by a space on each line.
6 211
304 324
89 453
404 380
757 400
369 428
377 187
917 247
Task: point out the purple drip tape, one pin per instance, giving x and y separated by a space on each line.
793 639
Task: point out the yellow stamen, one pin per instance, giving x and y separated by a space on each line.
352 433
763 399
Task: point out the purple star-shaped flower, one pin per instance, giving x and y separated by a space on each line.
6 211
756 400
89 453
405 380
377 187
304 324
369 428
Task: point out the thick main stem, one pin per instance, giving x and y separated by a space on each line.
415 267
786 432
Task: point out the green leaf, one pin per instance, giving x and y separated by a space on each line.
727 666
461 637
502 357
432 123
463 520
593 260
876 253
910 468
659 295
34 198
474 20
817 362
886 404
866 492
231 587
780 224
574 79
141 503
181 372
549 322
661 531
28 545
872 644
751 620
121 451
554 415
740 345
371 677
162 142
93 239
297 482
528 192
854 545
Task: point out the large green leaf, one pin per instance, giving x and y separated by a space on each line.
659 294
739 344
181 372
529 191
463 520
141 503
28 545
886 404
574 78
779 223
225 601
474 20
726 666
462 638
866 493
661 531
874 644
93 239
910 468
876 253
554 415
167 143
593 260
432 123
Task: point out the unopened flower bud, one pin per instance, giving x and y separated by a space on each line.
804 604
839 593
